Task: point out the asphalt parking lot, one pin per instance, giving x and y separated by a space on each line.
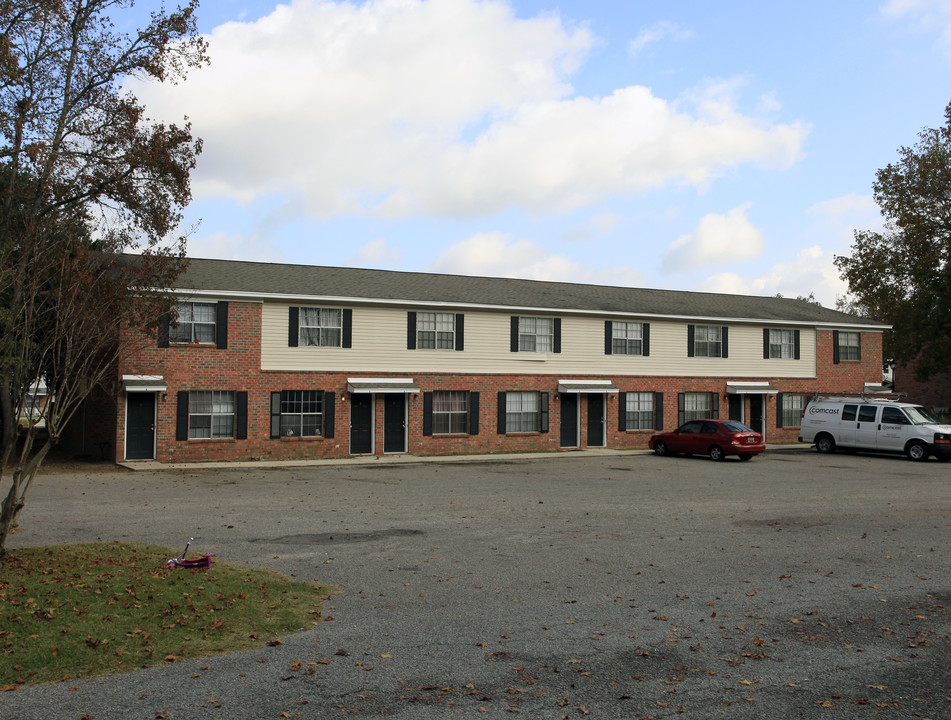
794 586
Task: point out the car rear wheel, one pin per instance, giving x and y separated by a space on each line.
715 452
746 456
660 448
825 444
917 452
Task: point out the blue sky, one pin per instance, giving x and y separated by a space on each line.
726 146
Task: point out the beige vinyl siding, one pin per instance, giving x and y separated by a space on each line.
379 345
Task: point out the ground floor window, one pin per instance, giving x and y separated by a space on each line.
450 412
211 414
790 409
297 413
522 412
639 411
697 406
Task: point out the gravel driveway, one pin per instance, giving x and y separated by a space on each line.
616 586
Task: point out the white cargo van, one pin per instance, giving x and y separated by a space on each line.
881 425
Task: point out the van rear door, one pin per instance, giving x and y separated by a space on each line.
866 427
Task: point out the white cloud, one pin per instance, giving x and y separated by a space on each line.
718 239
928 14
377 253
663 30
596 226
445 107
496 254
222 246
811 271
725 282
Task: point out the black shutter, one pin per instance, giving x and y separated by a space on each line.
411 330
658 411
608 337
347 339
860 347
680 409
460 332
646 339
689 343
473 413
241 415
779 410
181 416
163 324
330 414
221 325
427 413
501 419
715 404
275 414
766 343
543 412
796 344
513 334
835 347
621 411
293 326
557 338
725 342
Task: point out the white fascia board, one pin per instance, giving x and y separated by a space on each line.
527 309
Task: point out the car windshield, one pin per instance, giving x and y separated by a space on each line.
921 416
736 427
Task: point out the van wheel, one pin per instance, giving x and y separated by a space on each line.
917 451
825 444
716 453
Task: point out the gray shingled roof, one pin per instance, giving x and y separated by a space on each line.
301 281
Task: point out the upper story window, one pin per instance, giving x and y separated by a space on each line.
782 344
627 338
706 341
434 331
195 323
536 334
320 327
846 346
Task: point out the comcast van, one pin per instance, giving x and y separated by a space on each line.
880 425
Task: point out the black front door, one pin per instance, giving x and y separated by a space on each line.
569 420
394 423
736 407
756 413
361 424
140 426
595 420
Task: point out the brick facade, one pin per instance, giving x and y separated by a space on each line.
238 368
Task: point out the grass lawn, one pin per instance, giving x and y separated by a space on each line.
73 611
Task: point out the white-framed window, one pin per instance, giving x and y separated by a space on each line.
782 344
628 338
536 334
850 347
639 407
301 413
320 327
211 414
450 412
697 406
792 408
521 412
707 341
195 323
435 331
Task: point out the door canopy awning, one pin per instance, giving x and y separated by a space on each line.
144 383
586 386
750 388
381 385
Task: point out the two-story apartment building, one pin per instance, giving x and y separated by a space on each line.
289 362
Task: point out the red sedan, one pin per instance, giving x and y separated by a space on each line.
716 438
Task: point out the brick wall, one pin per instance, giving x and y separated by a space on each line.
237 368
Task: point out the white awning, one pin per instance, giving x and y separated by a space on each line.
381 385
586 386
750 388
144 383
